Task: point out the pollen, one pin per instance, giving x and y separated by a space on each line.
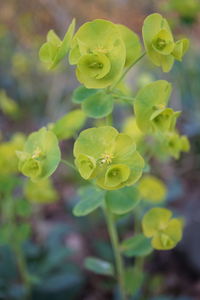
37 153
107 158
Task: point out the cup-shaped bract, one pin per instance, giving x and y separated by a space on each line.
132 44
99 52
151 112
55 49
159 42
41 192
108 157
40 156
164 230
152 189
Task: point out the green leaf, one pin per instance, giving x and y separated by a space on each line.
98 105
134 278
91 199
137 245
69 124
99 266
81 93
122 201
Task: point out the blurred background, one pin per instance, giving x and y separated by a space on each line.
31 97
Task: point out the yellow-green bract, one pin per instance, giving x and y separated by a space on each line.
101 50
164 230
159 42
40 156
150 108
174 144
108 157
152 189
54 50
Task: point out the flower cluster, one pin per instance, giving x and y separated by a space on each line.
164 230
108 157
159 42
40 156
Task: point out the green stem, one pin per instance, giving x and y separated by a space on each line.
16 247
109 120
22 266
67 163
127 70
115 245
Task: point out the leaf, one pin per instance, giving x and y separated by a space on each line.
98 105
91 199
122 201
69 124
137 245
81 93
134 278
99 266
22 208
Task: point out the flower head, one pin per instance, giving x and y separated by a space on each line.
108 157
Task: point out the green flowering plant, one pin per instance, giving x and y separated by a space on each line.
113 163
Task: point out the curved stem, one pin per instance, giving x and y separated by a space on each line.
115 245
127 70
67 163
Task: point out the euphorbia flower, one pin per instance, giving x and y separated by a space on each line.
159 42
108 157
164 230
151 112
40 156
101 50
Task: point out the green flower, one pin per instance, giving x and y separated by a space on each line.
152 189
99 53
151 112
159 42
101 50
174 144
108 157
165 232
40 156
54 50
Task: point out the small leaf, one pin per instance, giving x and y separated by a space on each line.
122 201
92 198
98 105
99 266
137 245
81 93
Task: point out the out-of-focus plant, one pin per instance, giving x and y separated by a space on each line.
103 52
8 106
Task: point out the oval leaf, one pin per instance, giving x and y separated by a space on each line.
91 197
137 245
122 201
81 93
99 266
98 105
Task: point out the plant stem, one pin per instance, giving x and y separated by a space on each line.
127 70
67 163
21 263
115 245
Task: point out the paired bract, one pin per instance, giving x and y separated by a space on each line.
40 156
164 230
108 157
159 42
